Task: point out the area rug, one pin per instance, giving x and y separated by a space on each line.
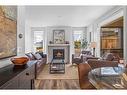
71 72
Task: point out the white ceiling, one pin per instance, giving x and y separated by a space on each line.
76 16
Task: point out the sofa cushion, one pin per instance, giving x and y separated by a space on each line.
87 52
108 57
30 56
38 56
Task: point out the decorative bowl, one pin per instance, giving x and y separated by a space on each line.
19 60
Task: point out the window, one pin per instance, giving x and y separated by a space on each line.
77 35
38 41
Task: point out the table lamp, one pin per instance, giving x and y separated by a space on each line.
121 61
93 45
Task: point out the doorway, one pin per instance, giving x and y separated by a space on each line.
112 37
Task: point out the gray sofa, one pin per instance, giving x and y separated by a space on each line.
41 60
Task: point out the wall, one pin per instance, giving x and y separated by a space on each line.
48 32
68 36
125 33
20 42
28 47
21 29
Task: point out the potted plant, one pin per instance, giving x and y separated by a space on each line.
84 44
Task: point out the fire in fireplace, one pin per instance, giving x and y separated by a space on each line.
58 53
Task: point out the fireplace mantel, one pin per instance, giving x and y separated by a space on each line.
66 48
58 45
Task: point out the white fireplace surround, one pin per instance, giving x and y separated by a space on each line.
66 48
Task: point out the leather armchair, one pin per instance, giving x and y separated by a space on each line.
77 60
84 69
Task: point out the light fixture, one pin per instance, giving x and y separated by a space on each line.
20 35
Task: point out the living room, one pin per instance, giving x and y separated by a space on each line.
50 41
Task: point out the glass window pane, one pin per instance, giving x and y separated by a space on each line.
77 35
38 40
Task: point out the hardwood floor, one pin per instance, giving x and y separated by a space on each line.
69 80
57 84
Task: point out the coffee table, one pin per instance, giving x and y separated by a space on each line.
108 78
57 66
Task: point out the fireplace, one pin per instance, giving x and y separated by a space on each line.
58 53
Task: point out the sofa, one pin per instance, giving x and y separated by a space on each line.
41 60
87 55
84 69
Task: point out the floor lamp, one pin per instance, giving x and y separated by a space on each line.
93 45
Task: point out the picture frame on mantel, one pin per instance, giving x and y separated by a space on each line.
59 36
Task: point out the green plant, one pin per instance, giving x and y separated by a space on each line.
77 44
84 43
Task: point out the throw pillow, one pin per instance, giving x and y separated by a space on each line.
30 56
37 56
108 57
41 53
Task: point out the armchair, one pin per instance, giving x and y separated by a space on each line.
108 60
77 60
84 69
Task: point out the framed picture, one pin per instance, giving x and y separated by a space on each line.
8 31
59 36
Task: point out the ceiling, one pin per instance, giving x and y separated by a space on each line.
76 16
116 23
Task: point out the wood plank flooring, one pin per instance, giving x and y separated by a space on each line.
57 84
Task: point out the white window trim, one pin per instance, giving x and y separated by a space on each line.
32 36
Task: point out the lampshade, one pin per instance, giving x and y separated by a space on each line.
121 61
93 44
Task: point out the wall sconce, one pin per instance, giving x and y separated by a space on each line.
93 45
20 36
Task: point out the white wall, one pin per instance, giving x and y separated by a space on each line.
21 29
68 36
28 47
20 42
48 32
68 33
125 33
